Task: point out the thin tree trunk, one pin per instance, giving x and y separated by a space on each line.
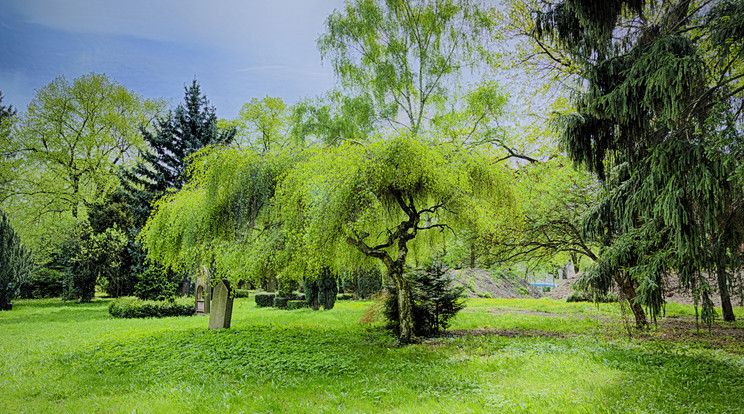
726 308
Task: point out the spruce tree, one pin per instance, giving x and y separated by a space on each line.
654 78
192 126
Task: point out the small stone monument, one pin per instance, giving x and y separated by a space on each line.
203 292
221 307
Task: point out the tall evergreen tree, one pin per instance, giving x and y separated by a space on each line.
162 169
15 262
655 76
192 126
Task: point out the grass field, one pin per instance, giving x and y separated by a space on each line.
506 356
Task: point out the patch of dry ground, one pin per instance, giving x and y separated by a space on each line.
498 285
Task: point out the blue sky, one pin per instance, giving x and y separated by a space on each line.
236 49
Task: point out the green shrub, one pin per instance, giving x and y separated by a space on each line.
157 283
44 283
523 290
265 299
280 302
296 304
580 296
137 308
344 296
16 263
242 293
434 298
322 291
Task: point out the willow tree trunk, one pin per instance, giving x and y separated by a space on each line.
406 333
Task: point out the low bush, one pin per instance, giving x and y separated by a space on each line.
434 300
280 302
265 299
344 296
137 308
296 304
579 296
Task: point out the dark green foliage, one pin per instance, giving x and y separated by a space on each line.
265 299
321 291
242 293
296 304
16 263
327 290
655 94
280 302
363 283
157 283
136 308
311 293
435 300
43 283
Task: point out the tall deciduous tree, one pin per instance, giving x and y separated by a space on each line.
652 74
405 54
69 144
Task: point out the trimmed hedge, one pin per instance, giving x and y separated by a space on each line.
280 302
242 293
296 304
137 308
265 299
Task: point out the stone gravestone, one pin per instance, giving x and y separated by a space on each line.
203 292
220 311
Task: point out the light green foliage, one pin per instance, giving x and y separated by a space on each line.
67 146
357 196
261 124
405 54
554 198
222 214
332 119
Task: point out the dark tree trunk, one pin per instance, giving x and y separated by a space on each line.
628 288
726 308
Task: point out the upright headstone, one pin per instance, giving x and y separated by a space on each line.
221 308
203 292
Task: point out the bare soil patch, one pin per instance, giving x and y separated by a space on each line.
478 282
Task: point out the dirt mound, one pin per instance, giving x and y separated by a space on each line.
484 283
564 289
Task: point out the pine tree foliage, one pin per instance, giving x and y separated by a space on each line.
16 263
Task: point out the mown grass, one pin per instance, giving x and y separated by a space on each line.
64 357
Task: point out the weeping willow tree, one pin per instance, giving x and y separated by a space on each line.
386 201
653 76
301 213
222 217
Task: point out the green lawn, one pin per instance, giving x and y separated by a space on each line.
66 357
